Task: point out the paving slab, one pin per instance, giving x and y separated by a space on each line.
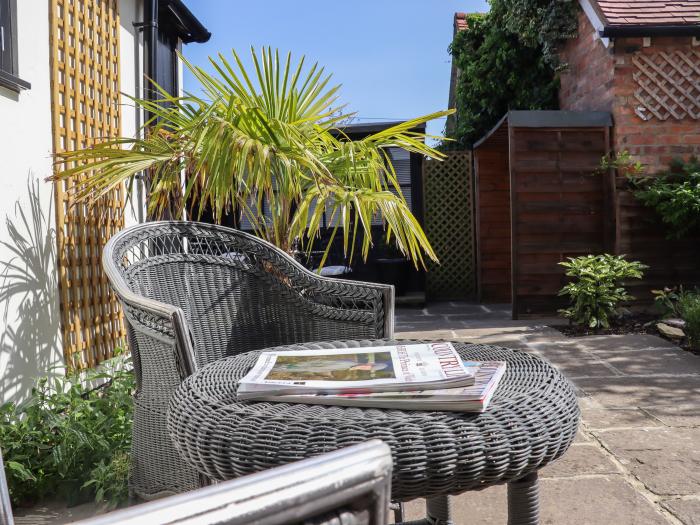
426 323
425 334
579 460
488 506
602 500
666 460
576 368
56 514
628 392
595 501
684 415
657 361
686 510
457 308
604 418
603 343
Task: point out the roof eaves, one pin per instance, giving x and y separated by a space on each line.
637 30
188 26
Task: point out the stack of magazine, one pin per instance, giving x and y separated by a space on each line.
429 376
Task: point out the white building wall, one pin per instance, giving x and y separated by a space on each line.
130 76
29 315
30 340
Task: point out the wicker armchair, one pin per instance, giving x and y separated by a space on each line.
193 293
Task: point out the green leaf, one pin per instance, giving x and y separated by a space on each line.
20 470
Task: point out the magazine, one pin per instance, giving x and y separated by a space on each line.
473 398
397 368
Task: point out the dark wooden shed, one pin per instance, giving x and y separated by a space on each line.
539 199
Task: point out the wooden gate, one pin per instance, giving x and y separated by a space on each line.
449 225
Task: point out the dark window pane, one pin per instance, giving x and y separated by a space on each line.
6 62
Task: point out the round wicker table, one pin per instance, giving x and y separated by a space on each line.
531 420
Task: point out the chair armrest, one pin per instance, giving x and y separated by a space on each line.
166 322
355 288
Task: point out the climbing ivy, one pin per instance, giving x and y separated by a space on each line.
539 24
507 60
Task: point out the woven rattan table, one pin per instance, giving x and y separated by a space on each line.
531 421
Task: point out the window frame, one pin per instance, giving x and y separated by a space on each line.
10 78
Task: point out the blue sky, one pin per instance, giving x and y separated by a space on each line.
389 55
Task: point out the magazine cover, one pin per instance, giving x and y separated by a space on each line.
348 370
474 398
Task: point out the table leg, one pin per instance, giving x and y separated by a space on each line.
440 510
398 510
524 501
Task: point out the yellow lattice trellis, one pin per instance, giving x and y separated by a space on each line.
668 85
449 225
85 106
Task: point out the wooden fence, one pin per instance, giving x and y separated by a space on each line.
449 224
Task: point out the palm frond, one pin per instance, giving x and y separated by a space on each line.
271 135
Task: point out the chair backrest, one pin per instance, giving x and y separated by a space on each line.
238 292
351 486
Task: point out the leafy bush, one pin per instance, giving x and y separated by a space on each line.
689 307
70 439
596 289
674 195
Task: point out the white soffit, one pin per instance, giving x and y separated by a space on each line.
595 20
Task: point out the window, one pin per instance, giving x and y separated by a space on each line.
9 76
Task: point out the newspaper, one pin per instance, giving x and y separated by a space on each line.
395 368
474 398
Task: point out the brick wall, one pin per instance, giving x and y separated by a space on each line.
587 82
654 142
600 78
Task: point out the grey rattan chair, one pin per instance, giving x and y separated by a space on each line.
193 293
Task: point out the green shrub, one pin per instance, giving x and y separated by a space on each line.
596 288
674 195
70 439
689 307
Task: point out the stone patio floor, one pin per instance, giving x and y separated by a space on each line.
636 459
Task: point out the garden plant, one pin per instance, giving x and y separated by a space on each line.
675 196
272 136
596 288
70 440
689 308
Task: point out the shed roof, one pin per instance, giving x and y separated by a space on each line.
543 119
648 12
358 130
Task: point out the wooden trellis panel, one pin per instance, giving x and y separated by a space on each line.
449 225
668 85
85 101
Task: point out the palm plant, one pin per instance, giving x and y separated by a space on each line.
272 136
